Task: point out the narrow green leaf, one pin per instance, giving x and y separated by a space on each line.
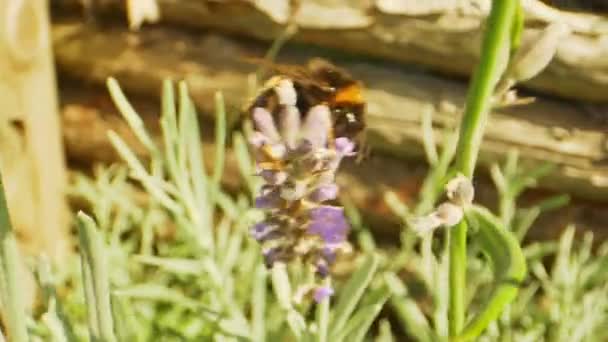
244 162
258 304
173 265
509 265
322 316
296 323
281 285
127 327
10 287
92 252
412 318
53 323
357 330
352 293
130 115
235 326
139 172
220 139
428 136
56 314
160 293
385 332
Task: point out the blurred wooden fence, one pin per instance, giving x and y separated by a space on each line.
31 153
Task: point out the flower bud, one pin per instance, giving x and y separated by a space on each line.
425 224
449 214
535 54
460 191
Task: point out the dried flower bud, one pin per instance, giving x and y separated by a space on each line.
535 54
449 214
425 224
460 191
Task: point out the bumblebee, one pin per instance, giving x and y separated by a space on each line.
318 82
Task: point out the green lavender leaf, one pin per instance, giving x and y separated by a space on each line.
95 276
509 264
352 292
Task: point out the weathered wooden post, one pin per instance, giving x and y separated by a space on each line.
31 153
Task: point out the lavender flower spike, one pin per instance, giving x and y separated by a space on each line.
298 161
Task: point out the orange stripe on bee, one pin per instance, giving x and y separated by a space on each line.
350 94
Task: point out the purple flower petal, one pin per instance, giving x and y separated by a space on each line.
329 255
322 292
329 223
317 125
324 193
345 146
265 123
264 231
269 198
273 177
322 269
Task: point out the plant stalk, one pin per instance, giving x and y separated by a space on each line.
493 61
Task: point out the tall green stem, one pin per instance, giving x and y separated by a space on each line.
493 60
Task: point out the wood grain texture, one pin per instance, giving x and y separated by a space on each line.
545 131
439 35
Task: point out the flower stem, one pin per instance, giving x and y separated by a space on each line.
493 60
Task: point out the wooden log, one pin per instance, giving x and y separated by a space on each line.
545 131
440 35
